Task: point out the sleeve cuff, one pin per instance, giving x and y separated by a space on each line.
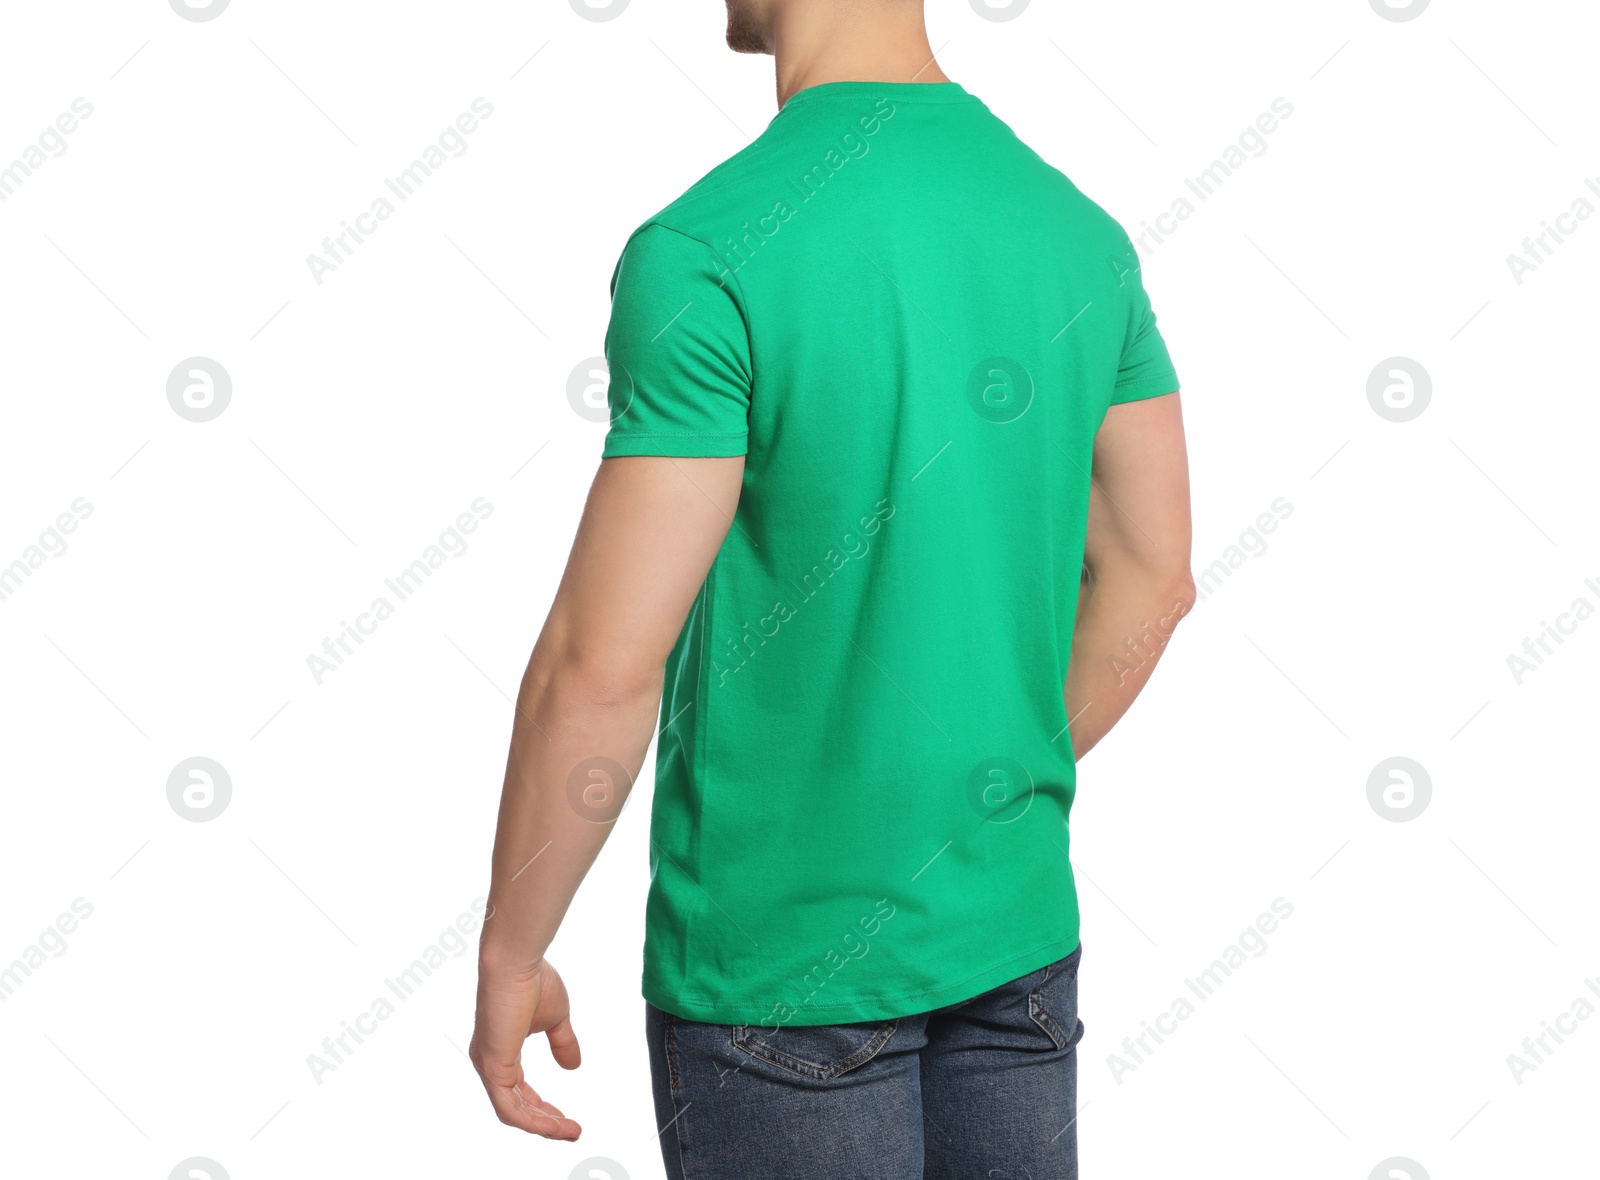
1145 387
676 446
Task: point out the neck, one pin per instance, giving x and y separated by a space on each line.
833 42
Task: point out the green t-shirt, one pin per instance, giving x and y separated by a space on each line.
912 327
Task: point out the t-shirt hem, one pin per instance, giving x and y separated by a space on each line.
1145 387
678 446
864 1008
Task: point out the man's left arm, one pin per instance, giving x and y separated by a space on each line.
650 531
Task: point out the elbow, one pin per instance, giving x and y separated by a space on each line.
1171 596
593 681
1167 587
1181 592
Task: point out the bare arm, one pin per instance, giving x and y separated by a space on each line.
585 715
1137 583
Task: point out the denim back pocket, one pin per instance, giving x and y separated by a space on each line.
820 1052
1053 1003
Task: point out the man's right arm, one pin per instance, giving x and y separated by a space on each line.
1136 580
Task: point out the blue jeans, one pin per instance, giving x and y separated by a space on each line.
986 1088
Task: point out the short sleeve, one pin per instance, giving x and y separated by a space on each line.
678 351
1146 369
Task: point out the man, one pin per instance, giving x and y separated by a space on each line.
893 433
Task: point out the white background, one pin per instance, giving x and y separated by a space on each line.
371 409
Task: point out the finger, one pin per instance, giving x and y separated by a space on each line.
522 1107
564 1045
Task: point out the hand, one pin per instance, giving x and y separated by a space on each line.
514 1004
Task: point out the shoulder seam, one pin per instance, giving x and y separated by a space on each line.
740 302
656 221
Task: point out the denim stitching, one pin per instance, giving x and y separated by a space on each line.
671 1045
799 1066
1041 1016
